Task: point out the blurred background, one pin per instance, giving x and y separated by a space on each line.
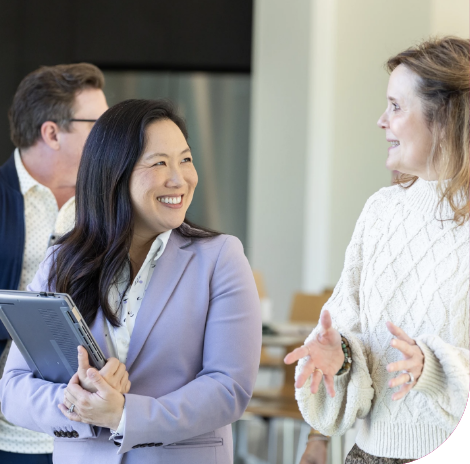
281 98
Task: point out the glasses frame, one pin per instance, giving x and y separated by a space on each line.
69 120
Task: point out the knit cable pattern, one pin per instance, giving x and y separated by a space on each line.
407 263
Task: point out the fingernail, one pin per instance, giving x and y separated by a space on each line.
92 374
393 342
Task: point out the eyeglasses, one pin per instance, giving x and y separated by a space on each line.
72 120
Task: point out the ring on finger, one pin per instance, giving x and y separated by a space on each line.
318 369
412 378
72 407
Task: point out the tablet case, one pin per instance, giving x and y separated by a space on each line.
47 329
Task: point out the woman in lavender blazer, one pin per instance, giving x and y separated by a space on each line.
175 303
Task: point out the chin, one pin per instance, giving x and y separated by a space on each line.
392 167
393 164
173 225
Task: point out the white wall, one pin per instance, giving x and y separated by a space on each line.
319 87
368 33
450 17
278 145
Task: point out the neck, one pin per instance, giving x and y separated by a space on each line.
47 167
140 247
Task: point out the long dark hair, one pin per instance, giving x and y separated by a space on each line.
93 254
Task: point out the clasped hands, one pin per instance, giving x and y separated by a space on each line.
97 396
327 357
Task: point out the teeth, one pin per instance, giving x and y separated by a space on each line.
395 143
170 200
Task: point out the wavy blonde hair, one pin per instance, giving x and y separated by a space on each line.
442 66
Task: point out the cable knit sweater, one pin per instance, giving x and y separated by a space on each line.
406 266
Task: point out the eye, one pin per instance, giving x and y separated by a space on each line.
187 160
395 107
160 163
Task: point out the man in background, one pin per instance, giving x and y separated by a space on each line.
51 116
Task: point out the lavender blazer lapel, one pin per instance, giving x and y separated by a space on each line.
167 273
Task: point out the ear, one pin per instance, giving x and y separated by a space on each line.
50 134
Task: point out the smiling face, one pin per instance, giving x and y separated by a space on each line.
406 128
163 181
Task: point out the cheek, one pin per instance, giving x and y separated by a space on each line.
134 194
81 139
195 179
192 180
397 128
138 189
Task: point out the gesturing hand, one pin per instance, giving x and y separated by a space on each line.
326 357
114 372
102 408
413 361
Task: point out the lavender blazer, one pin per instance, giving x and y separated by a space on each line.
193 359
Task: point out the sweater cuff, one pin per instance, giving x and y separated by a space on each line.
341 381
432 380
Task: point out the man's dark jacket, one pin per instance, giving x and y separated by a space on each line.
12 233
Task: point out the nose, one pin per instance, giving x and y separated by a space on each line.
175 178
383 121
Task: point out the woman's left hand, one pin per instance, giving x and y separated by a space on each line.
102 408
413 361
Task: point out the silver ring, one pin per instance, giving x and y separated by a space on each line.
72 407
412 378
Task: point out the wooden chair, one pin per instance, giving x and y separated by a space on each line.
259 281
278 403
306 307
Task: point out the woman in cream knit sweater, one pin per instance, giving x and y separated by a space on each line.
392 346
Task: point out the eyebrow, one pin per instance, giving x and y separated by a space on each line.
391 98
153 155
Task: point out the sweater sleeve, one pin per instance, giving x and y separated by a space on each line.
445 376
353 389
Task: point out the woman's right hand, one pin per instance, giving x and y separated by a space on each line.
114 372
326 357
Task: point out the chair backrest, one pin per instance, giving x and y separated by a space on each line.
260 284
306 307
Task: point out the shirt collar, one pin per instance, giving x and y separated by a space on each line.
158 247
163 243
27 182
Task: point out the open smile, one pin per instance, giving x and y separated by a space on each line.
394 144
171 201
